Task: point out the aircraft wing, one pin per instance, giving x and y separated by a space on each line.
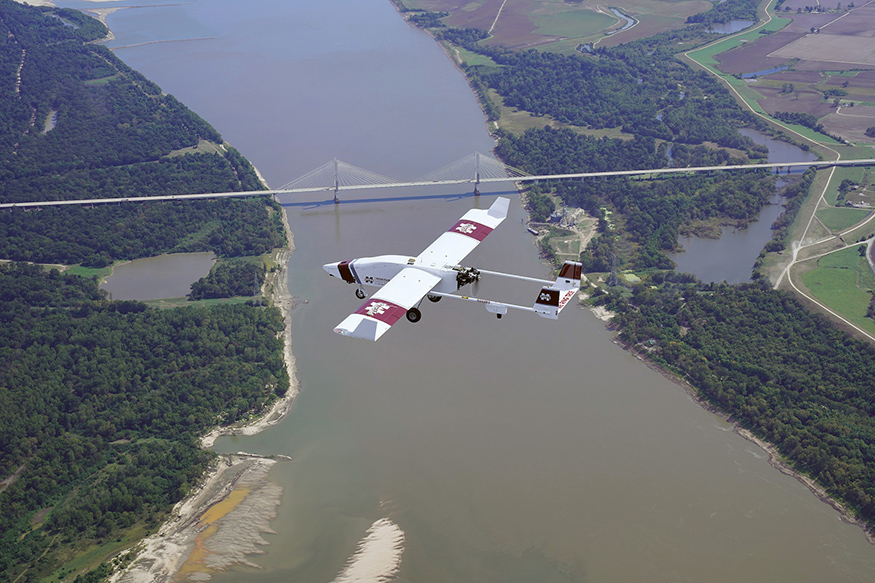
455 244
388 305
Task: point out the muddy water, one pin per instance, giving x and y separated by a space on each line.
153 278
731 257
511 450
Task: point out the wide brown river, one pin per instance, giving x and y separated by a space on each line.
505 450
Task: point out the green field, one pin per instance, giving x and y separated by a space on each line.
472 59
842 281
840 219
98 272
574 23
705 55
705 58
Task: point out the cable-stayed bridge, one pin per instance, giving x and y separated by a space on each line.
474 169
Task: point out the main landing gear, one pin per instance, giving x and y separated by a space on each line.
414 315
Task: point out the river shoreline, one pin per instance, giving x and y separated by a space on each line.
775 459
221 522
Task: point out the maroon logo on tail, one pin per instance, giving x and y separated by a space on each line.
548 297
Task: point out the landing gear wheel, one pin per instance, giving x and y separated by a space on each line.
432 298
360 293
414 315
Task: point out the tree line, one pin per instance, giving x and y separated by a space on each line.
779 370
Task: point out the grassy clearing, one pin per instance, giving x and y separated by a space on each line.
841 219
705 55
517 121
472 59
205 231
90 558
103 80
842 281
855 152
166 303
98 272
564 243
203 147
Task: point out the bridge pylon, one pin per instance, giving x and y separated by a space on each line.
336 182
476 173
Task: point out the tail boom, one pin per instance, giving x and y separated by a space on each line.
551 300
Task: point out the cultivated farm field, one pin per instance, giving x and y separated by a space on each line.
559 25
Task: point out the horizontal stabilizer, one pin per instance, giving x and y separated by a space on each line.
552 299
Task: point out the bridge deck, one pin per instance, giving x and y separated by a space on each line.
472 180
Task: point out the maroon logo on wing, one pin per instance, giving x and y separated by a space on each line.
471 229
382 310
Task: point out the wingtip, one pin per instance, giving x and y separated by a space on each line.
358 326
499 208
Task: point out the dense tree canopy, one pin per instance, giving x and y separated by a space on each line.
111 133
101 403
228 279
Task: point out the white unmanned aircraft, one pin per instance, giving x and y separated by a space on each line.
436 273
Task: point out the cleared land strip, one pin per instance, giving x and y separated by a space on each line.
788 165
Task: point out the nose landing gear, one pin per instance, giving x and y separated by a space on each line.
360 293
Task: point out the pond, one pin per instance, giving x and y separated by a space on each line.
731 257
731 27
155 278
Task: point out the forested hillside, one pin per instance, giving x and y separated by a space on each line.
76 122
101 403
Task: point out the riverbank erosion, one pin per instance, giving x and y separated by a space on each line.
213 528
775 459
220 523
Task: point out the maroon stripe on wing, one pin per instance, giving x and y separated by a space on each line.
382 310
471 229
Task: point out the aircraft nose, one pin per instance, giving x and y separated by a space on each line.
331 269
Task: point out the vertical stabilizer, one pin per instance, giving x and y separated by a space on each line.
552 299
